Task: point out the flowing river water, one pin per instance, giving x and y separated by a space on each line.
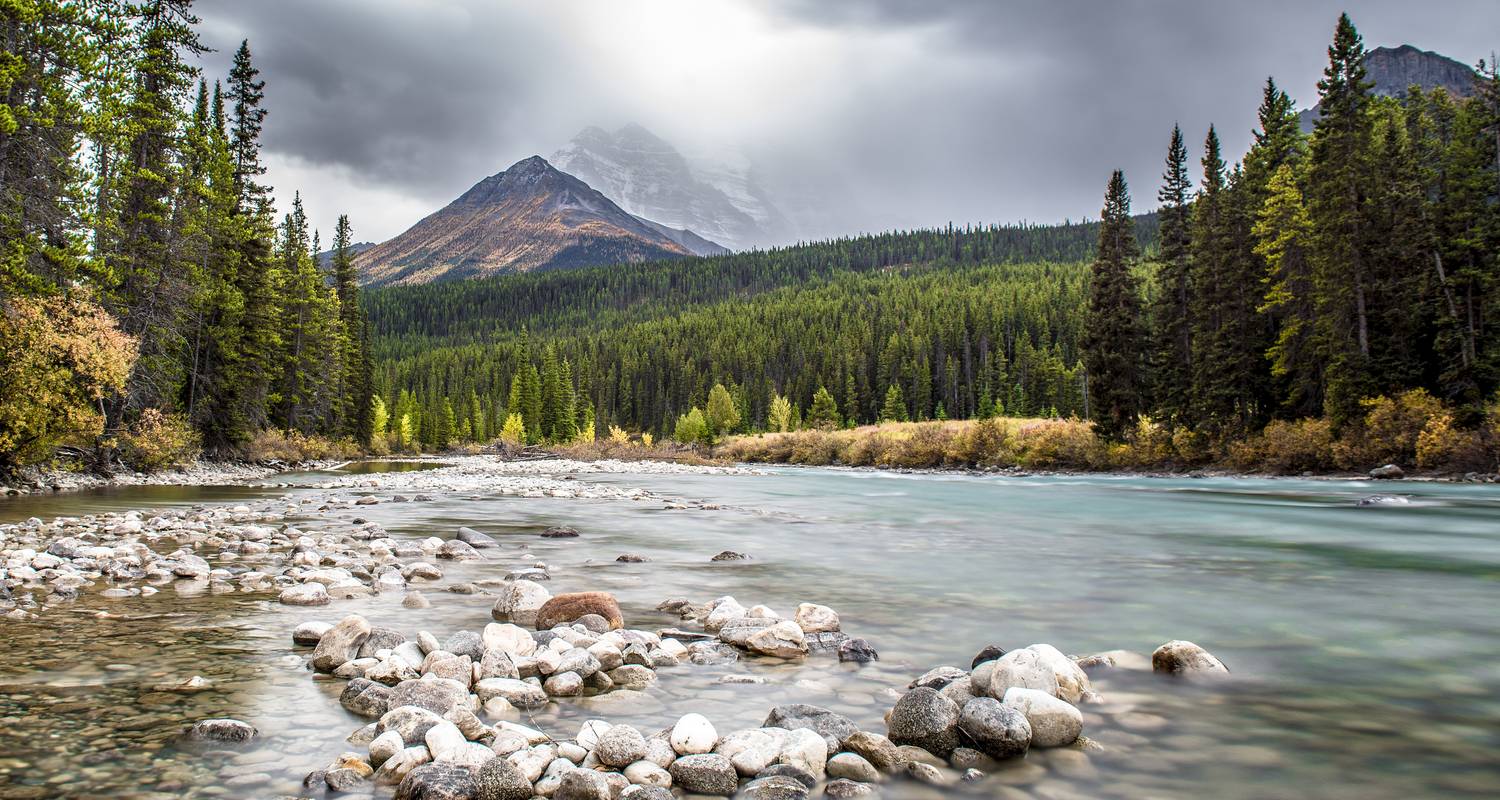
1364 641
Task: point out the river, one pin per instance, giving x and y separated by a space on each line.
1363 640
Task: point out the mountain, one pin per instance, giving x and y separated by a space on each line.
1393 70
326 257
530 217
719 197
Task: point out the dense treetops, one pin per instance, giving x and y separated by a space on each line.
146 285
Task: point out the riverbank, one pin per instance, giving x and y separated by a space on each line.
201 473
1055 446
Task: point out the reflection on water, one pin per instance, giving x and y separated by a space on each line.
1363 642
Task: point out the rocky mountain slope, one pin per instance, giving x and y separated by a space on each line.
1393 70
718 198
532 216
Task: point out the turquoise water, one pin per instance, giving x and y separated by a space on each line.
1363 640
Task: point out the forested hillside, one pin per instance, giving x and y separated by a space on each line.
957 319
1325 292
151 302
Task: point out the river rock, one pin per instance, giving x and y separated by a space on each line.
305 594
476 539
1388 472
926 773
397 767
989 653
773 787
752 750
705 773
520 601
857 651
834 728
511 639
438 695
1054 723
1178 657
926 719
229 731
381 639
648 773
805 749
813 618
341 643
415 599
437 782
782 640
620 746
937 677
843 788
1072 682
384 746
566 608
465 643
458 550
639 792
725 610
444 741
499 779
876 749
852 766
1023 668
792 771
997 730
563 684
366 698
308 633
729 555
498 664
693 735
522 695
411 723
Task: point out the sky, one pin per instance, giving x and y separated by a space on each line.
894 113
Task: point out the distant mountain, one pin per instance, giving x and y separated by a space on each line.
326 257
532 216
719 198
1393 70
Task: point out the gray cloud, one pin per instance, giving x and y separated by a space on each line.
920 112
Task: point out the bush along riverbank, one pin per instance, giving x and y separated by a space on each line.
1410 434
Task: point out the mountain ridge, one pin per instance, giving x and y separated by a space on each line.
1393 70
530 216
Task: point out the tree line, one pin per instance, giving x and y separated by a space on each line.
1317 274
151 299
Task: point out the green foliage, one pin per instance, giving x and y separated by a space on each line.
779 417
1113 346
824 412
692 428
722 416
894 407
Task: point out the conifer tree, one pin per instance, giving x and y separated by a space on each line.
246 93
894 407
1113 343
1281 239
1336 187
824 412
1172 310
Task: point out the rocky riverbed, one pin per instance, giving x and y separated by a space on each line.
130 628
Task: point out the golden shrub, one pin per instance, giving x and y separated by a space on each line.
158 441
1287 448
1442 446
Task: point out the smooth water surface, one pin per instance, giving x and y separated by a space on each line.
1364 641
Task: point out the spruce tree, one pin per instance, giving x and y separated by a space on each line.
1336 188
1172 309
1113 341
1281 239
246 93
824 412
894 407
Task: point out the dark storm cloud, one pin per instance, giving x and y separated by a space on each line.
921 111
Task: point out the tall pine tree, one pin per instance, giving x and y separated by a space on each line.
1113 340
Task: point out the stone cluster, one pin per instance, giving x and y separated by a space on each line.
730 628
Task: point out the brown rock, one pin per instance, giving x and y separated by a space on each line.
567 608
